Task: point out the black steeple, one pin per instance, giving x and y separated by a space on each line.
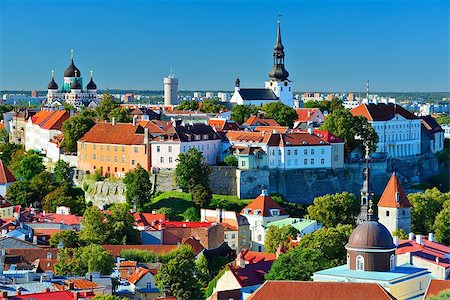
52 85
278 71
238 82
365 192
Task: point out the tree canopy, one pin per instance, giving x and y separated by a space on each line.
240 113
283 114
63 172
442 224
212 106
279 235
65 195
331 210
192 170
106 106
79 261
75 128
188 105
29 166
69 238
138 187
94 228
121 114
324 105
356 131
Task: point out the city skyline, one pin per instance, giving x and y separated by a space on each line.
330 45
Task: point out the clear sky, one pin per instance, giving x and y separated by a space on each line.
330 45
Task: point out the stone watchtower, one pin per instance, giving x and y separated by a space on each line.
394 209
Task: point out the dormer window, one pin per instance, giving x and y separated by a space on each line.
257 212
274 212
205 136
247 211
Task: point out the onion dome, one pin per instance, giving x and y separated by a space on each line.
91 85
71 69
52 85
370 235
278 72
75 85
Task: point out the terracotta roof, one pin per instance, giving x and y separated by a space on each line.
137 275
152 127
257 121
381 111
128 263
5 174
30 255
147 219
327 136
254 257
306 114
264 203
46 231
120 134
82 284
436 286
223 124
277 129
159 249
394 195
58 295
246 136
252 274
59 218
197 247
56 120
45 264
432 252
311 290
188 224
296 139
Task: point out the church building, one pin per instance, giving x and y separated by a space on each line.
72 91
277 88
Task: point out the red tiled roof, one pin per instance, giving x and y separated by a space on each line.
107 133
59 218
5 174
381 111
327 136
254 120
56 120
306 114
313 290
246 136
128 263
223 124
45 264
146 219
273 129
431 251
436 286
82 284
137 275
187 224
197 247
252 274
58 295
394 195
264 203
46 231
152 127
296 139
29 255
254 257
159 249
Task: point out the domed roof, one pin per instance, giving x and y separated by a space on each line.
278 72
75 85
52 85
370 235
91 85
71 71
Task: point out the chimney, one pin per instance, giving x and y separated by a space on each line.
419 239
431 237
146 139
309 113
71 286
113 121
411 236
153 211
310 130
219 215
35 240
134 120
90 277
264 192
396 240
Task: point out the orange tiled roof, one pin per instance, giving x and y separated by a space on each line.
82 284
254 257
50 119
107 133
5 174
59 218
255 120
246 136
277 129
137 275
311 290
298 139
264 203
381 111
394 195
436 286
306 114
146 219
152 127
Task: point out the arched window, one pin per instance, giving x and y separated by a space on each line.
360 263
348 260
392 262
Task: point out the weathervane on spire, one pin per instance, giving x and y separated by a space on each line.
171 73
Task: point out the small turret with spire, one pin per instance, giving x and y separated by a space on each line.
278 72
365 191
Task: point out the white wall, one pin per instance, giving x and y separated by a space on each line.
317 157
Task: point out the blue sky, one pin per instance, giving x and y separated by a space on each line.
330 45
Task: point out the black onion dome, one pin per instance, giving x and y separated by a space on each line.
278 72
52 85
370 235
75 85
71 70
91 85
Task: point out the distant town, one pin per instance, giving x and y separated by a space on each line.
251 193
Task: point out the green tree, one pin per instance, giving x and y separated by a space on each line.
192 170
297 264
94 228
279 235
16 159
69 262
283 114
168 211
331 210
330 242
201 195
96 259
139 255
188 105
120 225
400 233
63 172
29 166
74 129
191 214
20 193
138 187
425 208
212 106
107 105
7 150
177 276
203 271
231 160
121 114
322 105
68 237
240 113
442 224
42 184
3 136
65 195
355 131
443 295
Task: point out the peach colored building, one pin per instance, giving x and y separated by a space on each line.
116 148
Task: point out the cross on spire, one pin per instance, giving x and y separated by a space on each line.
71 54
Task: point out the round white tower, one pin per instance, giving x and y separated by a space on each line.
170 89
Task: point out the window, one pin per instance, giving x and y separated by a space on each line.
161 160
101 147
95 146
170 160
312 161
295 162
136 149
170 148
322 151
115 148
305 151
123 159
115 159
295 152
305 162
289 152
108 159
123 148
322 161
273 152
348 261
387 213
233 235
158 148
259 238
94 157
403 212
243 163
107 147
360 263
101 158
312 151
133 162
392 262
207 146
149 285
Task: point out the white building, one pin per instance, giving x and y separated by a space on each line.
179 139
223 97
170 90
399 131
262 210
432 135
277 88
446 128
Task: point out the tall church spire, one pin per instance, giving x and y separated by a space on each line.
278 72
365 192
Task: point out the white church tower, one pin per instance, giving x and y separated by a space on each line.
279 82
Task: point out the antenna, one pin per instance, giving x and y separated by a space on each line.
367 90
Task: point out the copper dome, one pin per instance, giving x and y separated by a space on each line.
370 235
